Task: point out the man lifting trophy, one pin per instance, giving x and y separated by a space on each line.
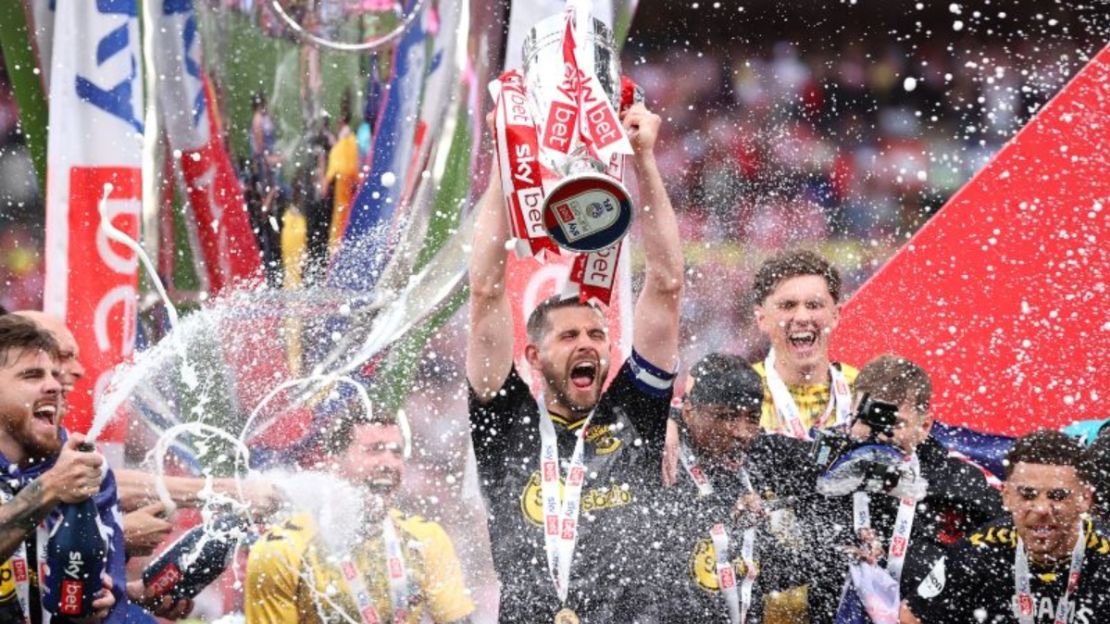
567 471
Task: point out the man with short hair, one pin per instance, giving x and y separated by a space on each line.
737 491
399 568
1043 563
797 305
958 497
44 468
583 564
145 525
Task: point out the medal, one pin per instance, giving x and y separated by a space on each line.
566 615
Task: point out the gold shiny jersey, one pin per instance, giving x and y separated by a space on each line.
288 579
811 399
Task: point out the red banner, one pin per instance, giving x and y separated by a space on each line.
1003 295
223 227
103 283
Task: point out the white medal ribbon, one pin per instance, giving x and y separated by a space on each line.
739 602
22 579
840 400
697 475
903 524
397 575
560 513
1025 607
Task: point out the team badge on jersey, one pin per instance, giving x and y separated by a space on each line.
601 436
703 566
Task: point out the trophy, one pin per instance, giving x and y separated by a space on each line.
561 146
587 209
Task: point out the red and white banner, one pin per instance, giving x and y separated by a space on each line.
186 106
93 154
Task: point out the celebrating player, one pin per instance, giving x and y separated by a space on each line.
403 567
612 437
1043 563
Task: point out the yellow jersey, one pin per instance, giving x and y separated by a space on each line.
811 399
289 581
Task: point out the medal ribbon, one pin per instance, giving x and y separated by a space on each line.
518 159
397 575
840 399
738 602
21 573
1025 607
560 513
903 525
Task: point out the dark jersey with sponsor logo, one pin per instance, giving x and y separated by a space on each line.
622 454
790 584
974 582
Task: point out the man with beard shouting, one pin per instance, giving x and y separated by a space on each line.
568 553
373 564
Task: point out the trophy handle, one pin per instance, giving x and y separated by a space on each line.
374 43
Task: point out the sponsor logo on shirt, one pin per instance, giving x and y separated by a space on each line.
593 499
933 583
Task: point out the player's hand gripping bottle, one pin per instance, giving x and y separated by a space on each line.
196 559
74 560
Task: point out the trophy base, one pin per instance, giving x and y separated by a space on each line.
587 212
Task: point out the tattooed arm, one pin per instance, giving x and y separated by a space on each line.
74 477
21 515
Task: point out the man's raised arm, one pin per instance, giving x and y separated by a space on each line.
655 321
489 343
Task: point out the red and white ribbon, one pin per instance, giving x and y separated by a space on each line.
903 524
599 126
518 159
1025 607
738 601
396 573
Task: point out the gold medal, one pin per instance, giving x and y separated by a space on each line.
566 616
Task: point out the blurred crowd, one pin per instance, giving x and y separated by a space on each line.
848 149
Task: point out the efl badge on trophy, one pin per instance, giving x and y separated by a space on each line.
561 149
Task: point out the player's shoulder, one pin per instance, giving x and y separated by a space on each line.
288 539
850 372
417 526
759 368
646 377
998 536
1098 540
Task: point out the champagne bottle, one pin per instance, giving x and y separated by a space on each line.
196 559
74 559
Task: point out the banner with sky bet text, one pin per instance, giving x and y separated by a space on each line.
93 162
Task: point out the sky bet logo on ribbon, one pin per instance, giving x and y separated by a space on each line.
107 89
